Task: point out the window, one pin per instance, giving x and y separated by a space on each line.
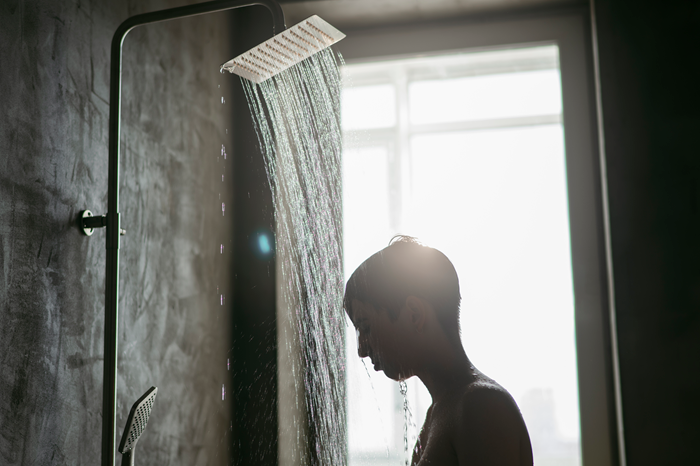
466 152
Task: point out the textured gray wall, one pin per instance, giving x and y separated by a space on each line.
173 333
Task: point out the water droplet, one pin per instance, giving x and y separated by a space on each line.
222 300
222 178
407 416
226 131
222 249
228 364
222 100
223 209
223 392
219 86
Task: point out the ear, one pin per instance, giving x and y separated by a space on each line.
417 312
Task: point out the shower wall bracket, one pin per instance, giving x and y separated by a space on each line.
111 220
88 223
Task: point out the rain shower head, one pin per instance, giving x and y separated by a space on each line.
284 50
135 424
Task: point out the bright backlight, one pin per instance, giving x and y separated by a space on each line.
471 161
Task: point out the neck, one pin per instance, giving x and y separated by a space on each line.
448 368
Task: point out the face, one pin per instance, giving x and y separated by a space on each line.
382 340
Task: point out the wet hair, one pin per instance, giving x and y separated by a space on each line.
407 268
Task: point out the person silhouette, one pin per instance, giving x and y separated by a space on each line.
404 303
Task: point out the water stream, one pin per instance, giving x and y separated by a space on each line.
296 115
408 424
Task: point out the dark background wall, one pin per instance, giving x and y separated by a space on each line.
174 332
651 109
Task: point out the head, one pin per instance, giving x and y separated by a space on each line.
390 291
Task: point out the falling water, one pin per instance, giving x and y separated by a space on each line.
297 120
408 422
376 401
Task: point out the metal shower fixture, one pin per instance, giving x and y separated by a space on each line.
135 424
284 50
111 220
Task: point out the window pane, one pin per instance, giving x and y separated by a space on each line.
485 97
495 203
365 203
368 107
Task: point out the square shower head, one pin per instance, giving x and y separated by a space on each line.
284 50
137 420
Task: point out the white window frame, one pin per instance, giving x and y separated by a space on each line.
396 139
602 441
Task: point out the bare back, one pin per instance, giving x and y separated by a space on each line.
477 424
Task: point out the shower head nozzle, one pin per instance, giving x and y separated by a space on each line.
284 50
136 422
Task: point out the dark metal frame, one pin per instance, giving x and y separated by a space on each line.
111 220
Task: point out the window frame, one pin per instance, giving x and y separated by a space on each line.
396 139
598 375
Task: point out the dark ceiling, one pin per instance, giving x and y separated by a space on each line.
359 13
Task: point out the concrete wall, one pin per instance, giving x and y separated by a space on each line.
173 333
651 109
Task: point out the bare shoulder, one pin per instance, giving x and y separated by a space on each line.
485 395
488 426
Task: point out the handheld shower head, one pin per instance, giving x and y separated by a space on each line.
135 424
284 50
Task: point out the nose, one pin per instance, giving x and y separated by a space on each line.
362 345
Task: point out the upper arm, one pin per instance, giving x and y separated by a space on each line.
488 430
